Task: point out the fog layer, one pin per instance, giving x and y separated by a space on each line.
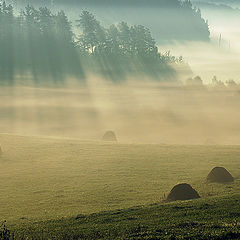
144 113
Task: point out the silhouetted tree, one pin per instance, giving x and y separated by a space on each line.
92 32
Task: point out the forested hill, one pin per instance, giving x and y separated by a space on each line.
167 19
43 45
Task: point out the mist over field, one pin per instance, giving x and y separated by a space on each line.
81 86
119 119
138 112
220 58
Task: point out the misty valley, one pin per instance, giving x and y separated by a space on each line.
119 119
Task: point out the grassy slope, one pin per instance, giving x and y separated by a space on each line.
41 175
210 218
44 179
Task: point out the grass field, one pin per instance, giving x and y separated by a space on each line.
214 218
46 182
47 178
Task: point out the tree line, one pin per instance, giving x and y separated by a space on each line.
47 46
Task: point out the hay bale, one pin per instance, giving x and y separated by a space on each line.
182 192
110 136
219 175
210 142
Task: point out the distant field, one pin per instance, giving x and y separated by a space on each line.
47 178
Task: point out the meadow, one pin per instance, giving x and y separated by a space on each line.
53 178
215 218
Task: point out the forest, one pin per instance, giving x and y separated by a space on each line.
169 20
47 46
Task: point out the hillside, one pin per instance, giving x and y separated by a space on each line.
212 218
52 188
41 175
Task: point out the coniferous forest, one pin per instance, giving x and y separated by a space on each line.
45 46
167 19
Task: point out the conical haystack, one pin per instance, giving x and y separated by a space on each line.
110 136
182 191
219 175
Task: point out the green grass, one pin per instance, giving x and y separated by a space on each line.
41 175
212 218
44 182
